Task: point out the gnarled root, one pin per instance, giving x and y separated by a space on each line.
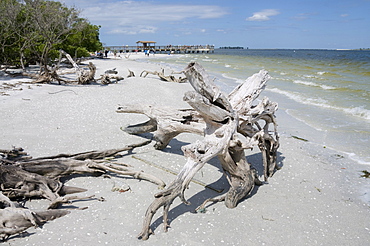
230 126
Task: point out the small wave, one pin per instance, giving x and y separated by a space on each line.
355 111
309 76
227 65
325 87
239 81
358 111
358 159
328 74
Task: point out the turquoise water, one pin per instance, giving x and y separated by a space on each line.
329 90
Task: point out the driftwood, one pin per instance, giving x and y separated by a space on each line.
83 76
165 122
50 74
15 219
130 74
22 176
230 125
109 79
111 71
169 78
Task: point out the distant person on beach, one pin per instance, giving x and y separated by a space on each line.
106 53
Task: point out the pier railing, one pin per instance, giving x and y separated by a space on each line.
163 48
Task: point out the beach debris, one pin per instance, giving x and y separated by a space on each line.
169 78
130 74
56 92
15 219
109 79
230 124
299 138
120 187
83 76
50 74
22 176
111 71
366 174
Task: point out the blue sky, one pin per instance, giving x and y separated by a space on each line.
321 24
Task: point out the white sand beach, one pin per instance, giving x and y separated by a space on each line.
317 198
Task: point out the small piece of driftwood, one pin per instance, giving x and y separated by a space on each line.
169 78
15 219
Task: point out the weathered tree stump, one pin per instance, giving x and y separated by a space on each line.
230 125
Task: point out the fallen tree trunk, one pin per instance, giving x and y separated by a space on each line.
230 125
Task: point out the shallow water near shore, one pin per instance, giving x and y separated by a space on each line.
328 90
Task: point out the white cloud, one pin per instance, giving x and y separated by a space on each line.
132 30
133 17
263 15
344 15
303 16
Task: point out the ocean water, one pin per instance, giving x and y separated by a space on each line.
328 90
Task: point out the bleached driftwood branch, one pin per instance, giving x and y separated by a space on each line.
169 78
83 76
22 176
165 122
15 219
230 125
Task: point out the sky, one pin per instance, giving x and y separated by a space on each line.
256 24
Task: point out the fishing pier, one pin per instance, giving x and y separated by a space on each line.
142 46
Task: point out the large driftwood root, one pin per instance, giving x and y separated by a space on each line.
230 125
169 78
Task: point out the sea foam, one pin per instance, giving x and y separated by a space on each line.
355 111
308 83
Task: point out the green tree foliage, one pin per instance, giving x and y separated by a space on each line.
84 41
34 30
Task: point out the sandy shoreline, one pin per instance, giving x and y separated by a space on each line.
317 198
